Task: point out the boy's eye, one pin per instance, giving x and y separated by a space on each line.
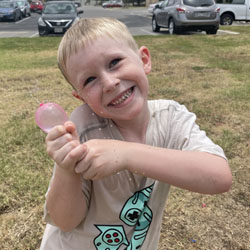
90 79
114 62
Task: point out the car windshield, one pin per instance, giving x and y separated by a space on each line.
61 8
20 3
6 5
198 3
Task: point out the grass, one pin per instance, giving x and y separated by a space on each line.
209 74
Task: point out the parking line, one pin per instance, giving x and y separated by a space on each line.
22 20
229 32
34 35
148 32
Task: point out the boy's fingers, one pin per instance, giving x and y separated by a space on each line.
55 132
82 165
70 128
76 154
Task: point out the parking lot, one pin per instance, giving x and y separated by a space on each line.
138 21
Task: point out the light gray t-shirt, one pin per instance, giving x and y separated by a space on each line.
125 210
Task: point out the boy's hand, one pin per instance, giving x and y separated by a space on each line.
64 147
104 158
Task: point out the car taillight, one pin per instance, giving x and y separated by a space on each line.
181 10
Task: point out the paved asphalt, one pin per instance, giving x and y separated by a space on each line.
138 21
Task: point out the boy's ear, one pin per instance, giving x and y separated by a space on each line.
146 59
74 93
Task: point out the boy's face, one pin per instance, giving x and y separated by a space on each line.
111 78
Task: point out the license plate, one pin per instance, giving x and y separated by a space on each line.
58 30
202 14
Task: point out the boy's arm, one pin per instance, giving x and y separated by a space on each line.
65 201
192 170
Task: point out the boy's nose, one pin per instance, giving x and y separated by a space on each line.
110 82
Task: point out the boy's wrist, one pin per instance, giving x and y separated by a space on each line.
66 172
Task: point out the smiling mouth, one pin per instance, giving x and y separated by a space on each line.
123 97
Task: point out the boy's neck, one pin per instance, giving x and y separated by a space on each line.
135 131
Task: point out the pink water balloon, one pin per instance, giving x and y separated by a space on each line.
49 115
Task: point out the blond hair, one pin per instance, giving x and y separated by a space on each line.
88 30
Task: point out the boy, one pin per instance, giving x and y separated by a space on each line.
117 157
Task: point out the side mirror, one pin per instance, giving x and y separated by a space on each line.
80 12
77 4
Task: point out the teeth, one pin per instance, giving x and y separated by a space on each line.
122 98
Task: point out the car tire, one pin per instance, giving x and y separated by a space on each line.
155 26
42 33
212 31
226 19
15 18
172 27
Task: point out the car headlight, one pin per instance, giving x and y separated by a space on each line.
41 22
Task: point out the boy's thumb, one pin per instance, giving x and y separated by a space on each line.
71 128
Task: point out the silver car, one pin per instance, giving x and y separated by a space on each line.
186 15
24 6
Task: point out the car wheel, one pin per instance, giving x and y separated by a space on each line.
171 27
42 33
212 31
226 19
15 18
155 26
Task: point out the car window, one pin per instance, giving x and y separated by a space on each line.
20 3
164 4
6 5
198 3
171 2
230 1
59 9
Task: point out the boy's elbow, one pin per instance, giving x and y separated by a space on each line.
226 183
224 180
67 227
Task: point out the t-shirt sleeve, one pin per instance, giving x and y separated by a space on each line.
186 134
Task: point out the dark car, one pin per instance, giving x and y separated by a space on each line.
36 6
9 10
57 17
186 15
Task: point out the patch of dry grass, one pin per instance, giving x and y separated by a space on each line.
209 74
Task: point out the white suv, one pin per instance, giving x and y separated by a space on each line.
186 15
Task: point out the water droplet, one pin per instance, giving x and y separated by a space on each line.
100 129
130 179
118 173
93 113
111 125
